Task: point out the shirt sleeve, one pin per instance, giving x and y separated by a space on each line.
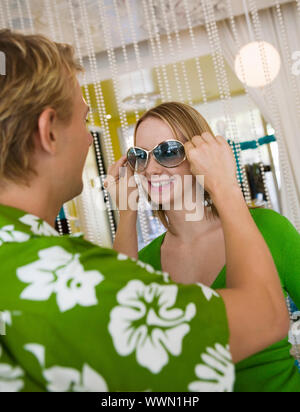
83 318
291 259
284 243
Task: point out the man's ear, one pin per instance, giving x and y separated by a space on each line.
47 130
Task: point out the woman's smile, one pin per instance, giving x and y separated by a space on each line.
160 185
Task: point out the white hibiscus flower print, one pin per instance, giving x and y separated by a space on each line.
6 320
38 226
38 352
8 234
146 266
122 257
10 378
6 317
70 380
60 379
217 374
208 292
147 323
61 273
2 325
151 270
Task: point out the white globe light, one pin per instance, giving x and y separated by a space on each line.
251 61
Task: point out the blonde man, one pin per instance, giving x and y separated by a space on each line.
82 318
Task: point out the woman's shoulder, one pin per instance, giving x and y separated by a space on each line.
260 211
273 222
266 215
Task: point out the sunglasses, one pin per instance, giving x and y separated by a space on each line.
168 154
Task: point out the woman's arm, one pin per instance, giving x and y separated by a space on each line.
121 185
126 241
254 300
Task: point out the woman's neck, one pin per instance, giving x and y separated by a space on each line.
185 230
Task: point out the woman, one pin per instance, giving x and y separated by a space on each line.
196 251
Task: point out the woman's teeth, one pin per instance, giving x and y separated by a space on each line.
161 184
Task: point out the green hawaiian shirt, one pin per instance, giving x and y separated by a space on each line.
82 318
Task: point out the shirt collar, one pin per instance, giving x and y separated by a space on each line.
24 222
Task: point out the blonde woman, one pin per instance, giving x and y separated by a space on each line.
169 141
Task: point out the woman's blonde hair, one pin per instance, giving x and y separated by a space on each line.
185 123
39 74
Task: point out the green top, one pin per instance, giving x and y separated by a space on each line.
82 318
272 370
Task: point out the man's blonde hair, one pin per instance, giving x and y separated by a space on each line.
40 74
185 123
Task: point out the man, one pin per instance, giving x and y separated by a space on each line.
82 318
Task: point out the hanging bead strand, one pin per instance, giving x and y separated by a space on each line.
254 134
29 15
180 53
143 215
125 56
151 37
21 15
93 65
59 225
67 215
9 17
101 108
272 101
155 53
115 78
2 19
224 89
103 117
136 49
228 102
160 51
113 66
50 19
287 57
298 7
295 343
58 22
172 52
88 223
197 59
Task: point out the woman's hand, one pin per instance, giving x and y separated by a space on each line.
121 185
212 158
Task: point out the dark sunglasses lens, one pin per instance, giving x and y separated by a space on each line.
137 158
170 154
